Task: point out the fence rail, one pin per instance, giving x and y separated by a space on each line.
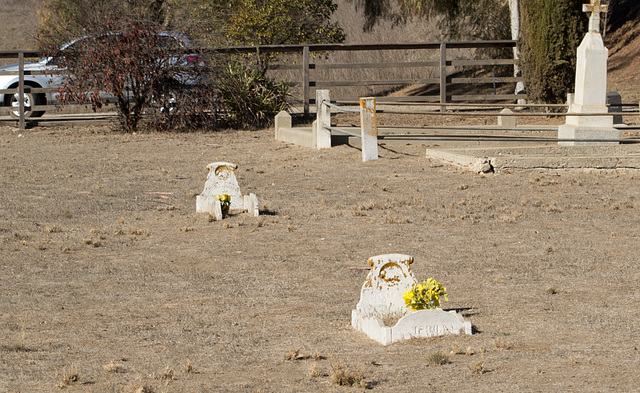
442 66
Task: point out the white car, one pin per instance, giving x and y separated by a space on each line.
48 75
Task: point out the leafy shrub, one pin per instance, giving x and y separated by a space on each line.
250 97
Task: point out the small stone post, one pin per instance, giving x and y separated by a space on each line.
282 120
508 122
368 129
323 114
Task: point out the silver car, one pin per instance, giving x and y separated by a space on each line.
45 73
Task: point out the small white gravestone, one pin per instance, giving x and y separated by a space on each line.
381 298
222 180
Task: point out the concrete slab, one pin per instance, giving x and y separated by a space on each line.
302 136
541 157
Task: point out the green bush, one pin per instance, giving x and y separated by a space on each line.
551 31
251 99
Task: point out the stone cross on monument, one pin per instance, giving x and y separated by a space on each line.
595 8
591 90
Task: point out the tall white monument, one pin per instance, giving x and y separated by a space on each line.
591 89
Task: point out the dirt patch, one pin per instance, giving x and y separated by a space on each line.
110 282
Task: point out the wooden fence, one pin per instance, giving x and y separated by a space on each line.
308 73
443 65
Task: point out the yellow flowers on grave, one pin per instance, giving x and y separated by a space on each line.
425 295
225 202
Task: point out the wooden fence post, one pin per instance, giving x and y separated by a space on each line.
368 129
323 115
305 81
22 124
443 76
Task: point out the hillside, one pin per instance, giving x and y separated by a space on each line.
623 41
19 21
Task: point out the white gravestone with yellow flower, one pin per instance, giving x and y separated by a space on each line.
221 181
382 299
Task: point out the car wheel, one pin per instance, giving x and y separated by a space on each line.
29 100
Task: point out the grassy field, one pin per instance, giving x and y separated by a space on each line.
111 282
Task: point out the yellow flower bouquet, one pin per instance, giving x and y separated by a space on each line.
425 295
225 202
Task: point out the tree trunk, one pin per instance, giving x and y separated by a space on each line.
514 9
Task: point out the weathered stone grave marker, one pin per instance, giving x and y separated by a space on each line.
222 180
381 300
591 89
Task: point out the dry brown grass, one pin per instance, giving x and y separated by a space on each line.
342 376
233 300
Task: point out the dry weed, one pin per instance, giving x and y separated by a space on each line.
438 359
365 206
138 232
395 219
20 346
114 368
167 374
144 389
69 377
478 368
292 354
91 242
391 320
315 371
21 236
502 345
188 368
317 356
342 376
54 229
457 350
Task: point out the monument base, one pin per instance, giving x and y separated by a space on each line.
585 135
416 324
